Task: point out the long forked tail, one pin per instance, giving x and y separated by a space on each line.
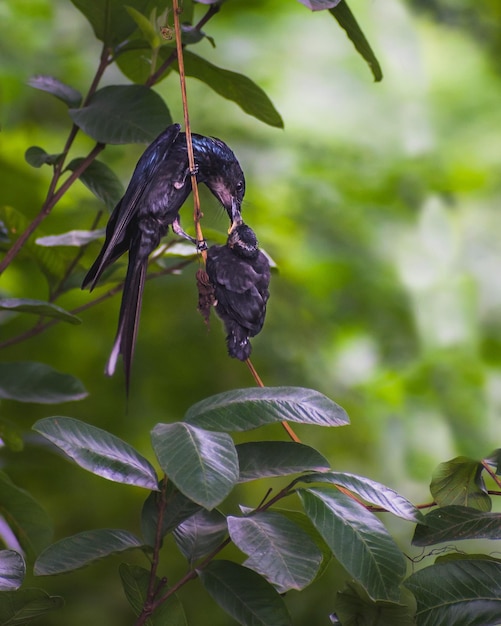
128 321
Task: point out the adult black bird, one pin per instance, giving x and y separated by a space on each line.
240 275
158 188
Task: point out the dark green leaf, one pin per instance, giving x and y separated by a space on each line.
264 459
26 518
135 581
277 549
82 549
24 606
345 18
123 114
12 570
458 593
135 60
36 382
320 5
200 534
245 409
76 238
109 19
460 482
100 180
450 523
98 451
235 87
358 540
177 509
244 595
52 85
38 307
36 157
371 491
203 465
354 607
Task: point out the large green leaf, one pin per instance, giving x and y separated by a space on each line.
245 409
38 307
458 593
109 18
358 540
451 523
244 595
52 85
202 464
123 114
460 481
12 570
177 509
26 605
354 607
277 549
98 451
82 549
264 459
200 534
135 581
235 87
76 238
25 381
26 518
371 491
100 180
345 18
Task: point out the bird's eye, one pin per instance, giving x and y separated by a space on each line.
240 186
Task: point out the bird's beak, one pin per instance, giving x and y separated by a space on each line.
236 217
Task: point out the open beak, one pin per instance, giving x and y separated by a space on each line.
236 217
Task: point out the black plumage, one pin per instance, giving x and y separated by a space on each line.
158 188
240 275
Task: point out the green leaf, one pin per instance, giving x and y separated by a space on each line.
76 238
36 157
245 409
244 595
265 459
277 549
100 180
371 491
347 21
24 606
177 509
235 87
150 33
26 518
71 97
358 540
38 307
353 606
460 481
451 523
135 581
123 114
109 19
457 593
203 465
50 262
26 381
12 570
98 451
135 60
200 534
82 549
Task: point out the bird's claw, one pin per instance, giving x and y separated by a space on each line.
201 245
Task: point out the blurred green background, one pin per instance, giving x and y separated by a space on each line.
379 204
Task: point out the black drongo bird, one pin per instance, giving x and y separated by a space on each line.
158 188
240 275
